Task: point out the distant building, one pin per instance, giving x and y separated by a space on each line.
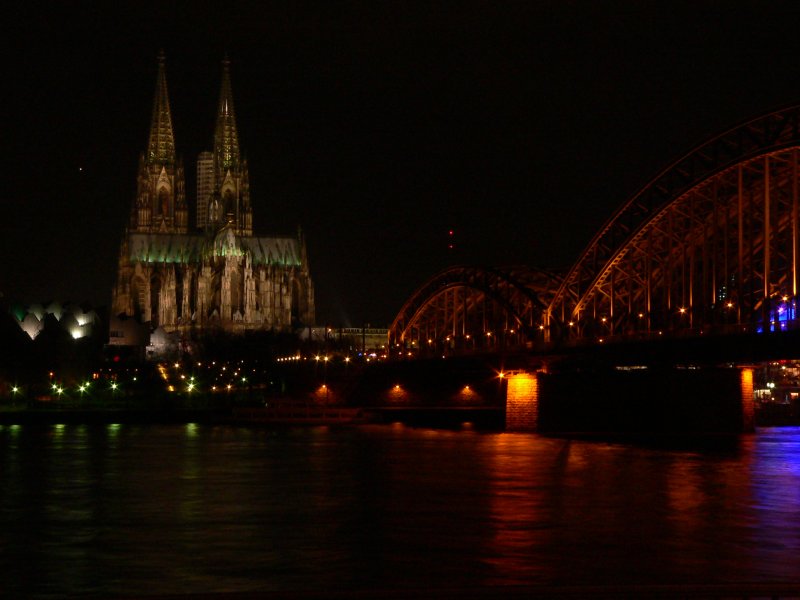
366 340
220 275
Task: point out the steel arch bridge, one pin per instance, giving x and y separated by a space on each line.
469 308
711 244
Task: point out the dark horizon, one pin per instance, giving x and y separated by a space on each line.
376 129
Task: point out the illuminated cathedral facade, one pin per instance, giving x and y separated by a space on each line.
215 274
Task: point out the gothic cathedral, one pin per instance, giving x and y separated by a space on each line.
217 274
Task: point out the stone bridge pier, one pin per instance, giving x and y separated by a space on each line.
665 400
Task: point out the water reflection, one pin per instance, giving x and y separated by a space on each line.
521 507
121 509
774 512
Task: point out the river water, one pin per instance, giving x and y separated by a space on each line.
185 509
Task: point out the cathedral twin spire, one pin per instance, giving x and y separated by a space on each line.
161 205
218 275
230 202
226 138
161 146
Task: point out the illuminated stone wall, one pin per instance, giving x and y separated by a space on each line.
748 405
213 290
522 402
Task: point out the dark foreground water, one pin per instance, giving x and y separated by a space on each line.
131 509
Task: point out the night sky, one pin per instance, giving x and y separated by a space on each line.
377 127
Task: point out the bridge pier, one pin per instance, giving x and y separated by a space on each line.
522 401
748 403
641 400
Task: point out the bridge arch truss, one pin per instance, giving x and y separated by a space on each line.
471 308
712 243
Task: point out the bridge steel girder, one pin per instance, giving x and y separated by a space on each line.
467 302
710 243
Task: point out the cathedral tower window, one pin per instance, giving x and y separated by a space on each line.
163 201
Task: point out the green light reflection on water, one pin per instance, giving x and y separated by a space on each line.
58 430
